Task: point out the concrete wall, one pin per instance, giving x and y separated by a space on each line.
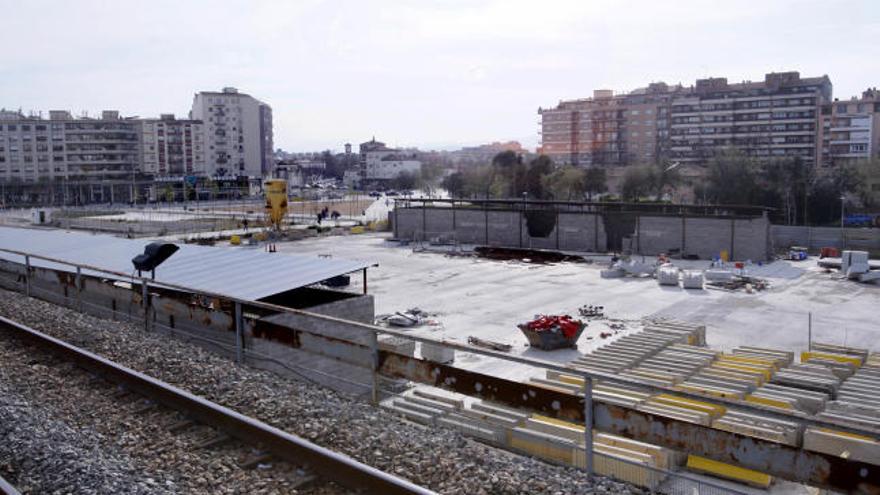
705 237
815 238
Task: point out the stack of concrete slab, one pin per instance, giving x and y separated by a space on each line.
759 426
730 376
626 352
673 365
631 350
563 442
812 377
689 333
858 398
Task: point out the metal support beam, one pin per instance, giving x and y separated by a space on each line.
239 334
27 276
145 302
78 282
588 424
374 354
365 281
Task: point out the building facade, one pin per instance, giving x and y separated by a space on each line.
173 147
66 148
238 133
850 129
609 129
777 117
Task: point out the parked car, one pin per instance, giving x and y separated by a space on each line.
375 194
392 193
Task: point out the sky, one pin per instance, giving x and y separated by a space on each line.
427 73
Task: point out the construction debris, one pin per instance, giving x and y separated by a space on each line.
590 311
488 344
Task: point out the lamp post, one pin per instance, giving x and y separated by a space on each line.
842 231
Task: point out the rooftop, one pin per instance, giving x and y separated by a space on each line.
242 273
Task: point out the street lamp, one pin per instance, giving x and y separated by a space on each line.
842 231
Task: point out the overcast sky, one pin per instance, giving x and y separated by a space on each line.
432 74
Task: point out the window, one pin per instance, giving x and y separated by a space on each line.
841 108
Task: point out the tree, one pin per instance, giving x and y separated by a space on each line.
732 179
566 183
664 176
637 183
503 162
539 168
454 184
595 181
405 180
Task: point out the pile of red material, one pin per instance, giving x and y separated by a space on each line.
556 323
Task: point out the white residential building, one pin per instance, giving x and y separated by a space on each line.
238 132
64 147
173 147
389 164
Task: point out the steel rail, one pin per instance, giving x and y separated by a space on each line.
326 463
6 488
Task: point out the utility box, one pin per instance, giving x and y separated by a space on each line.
41 216
854 263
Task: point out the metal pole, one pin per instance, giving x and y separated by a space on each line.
374 352
365 280
239 335
78 282
810 331
842 230
588 424
145 300
27 276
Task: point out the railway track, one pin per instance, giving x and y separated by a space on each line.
316 469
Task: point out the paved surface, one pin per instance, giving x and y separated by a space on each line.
474 296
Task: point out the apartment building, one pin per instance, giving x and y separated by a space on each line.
609 129
851 129
238 132
777 117
172 147
66 148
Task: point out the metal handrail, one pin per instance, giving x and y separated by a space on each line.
588 376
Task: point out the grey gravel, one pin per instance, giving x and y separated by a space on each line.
437 458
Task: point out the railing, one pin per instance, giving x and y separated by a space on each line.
679 483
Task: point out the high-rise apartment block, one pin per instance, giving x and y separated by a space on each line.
609 129
173 147
229 134
63 147
238 132
780 116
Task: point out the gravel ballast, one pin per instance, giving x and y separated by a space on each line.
436 458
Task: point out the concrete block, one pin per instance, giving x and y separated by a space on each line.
438 397
437 353
843 444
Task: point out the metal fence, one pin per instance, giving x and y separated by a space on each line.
658 479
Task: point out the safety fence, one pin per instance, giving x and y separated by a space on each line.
383 365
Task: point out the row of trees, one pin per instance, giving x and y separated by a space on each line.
509 176
797 191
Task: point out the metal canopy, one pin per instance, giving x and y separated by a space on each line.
243 273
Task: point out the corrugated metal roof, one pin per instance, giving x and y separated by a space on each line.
241 272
